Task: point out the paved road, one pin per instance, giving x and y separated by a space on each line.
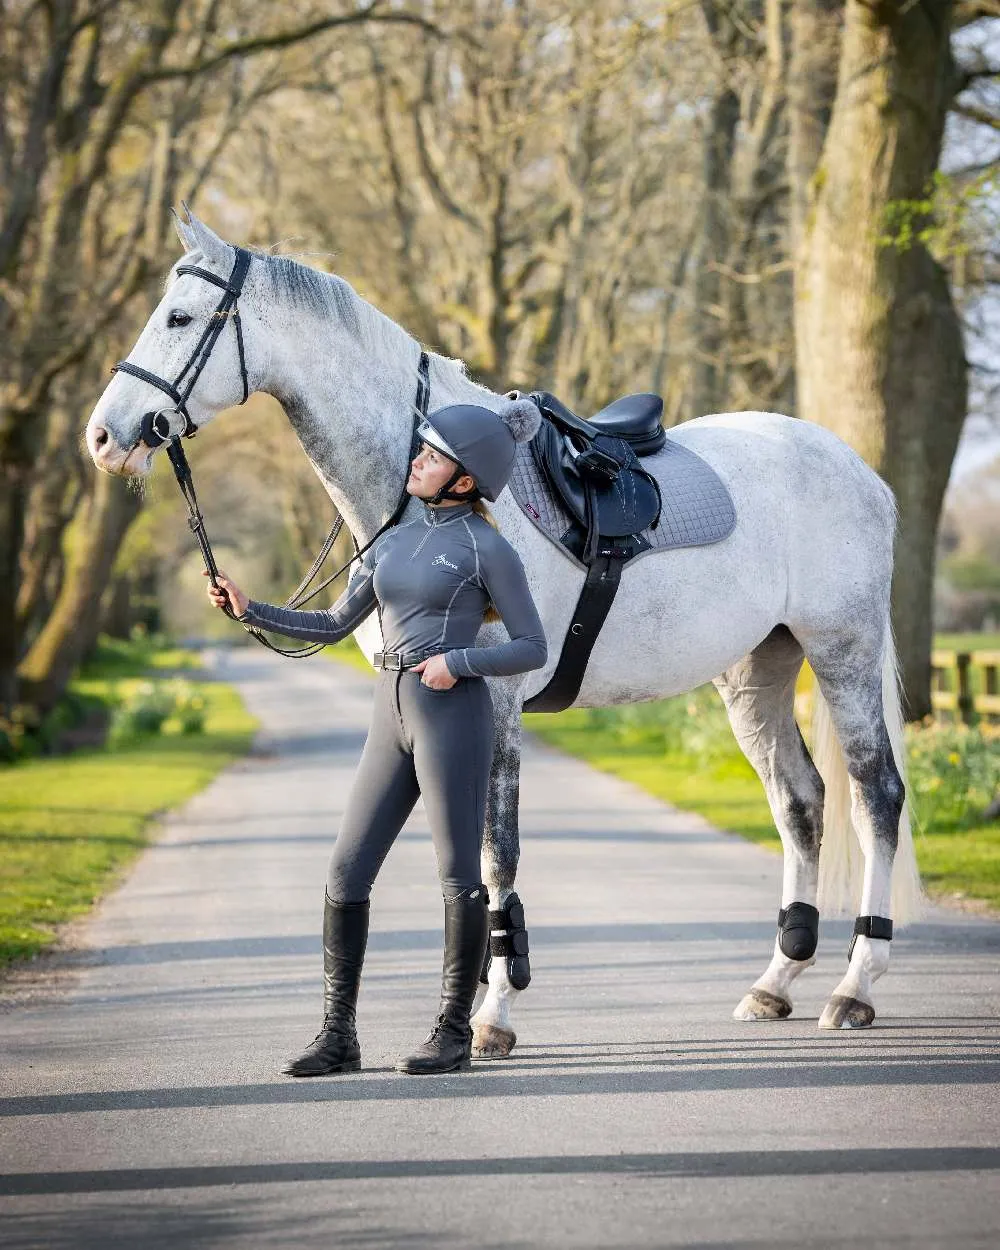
142 1105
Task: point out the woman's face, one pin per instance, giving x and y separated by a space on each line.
429 470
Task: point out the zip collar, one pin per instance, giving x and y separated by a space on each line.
444 516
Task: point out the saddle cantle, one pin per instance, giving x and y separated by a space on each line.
581 482
635 418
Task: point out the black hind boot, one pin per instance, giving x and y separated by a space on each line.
466 932
335 1048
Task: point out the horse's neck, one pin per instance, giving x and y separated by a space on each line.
354 418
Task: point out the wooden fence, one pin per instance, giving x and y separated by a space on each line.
964 683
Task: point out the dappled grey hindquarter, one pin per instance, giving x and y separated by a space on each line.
804 574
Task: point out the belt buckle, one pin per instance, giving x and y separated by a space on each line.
393 660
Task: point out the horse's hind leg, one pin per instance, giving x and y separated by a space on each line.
509 971
759 694
850 675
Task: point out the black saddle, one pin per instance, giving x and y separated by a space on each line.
635 418
593 468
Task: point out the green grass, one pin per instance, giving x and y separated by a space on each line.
963 864
725 791
68 826
114 657
967 642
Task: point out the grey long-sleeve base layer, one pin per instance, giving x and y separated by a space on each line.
432 579
434 743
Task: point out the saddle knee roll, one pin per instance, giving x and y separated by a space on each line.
509 941
798 931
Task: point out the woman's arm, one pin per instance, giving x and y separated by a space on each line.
325 624
502 574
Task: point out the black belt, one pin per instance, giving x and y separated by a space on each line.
400 659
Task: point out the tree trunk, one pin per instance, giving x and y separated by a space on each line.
92 541
56 494
18 450
879 350
816 29
710 381
13 500
116 607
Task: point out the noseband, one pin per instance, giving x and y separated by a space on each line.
155 427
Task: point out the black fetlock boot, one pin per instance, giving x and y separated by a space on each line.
335 1048
466 932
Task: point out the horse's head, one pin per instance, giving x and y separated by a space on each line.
117 438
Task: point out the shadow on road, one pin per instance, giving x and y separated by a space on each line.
216 1221
777 1062
736 1163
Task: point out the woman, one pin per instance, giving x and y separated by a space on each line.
432 581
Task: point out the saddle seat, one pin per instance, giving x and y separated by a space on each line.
635 418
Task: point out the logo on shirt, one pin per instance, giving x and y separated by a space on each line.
443 559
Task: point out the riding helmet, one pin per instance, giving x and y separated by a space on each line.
480 441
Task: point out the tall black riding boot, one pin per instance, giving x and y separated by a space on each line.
335 1048
466 932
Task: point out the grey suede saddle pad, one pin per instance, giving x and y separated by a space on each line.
697 507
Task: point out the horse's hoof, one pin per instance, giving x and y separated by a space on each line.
846 1013
489 1041
760 1005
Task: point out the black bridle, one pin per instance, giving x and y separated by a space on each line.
153 432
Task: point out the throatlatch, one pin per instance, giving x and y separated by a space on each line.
798 931
870 927
509 940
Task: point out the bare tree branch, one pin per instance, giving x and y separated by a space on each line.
284 39
979 115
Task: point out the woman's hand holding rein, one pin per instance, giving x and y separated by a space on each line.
217 594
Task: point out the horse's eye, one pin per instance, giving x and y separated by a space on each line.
178 318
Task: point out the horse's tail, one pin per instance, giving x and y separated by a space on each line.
841 863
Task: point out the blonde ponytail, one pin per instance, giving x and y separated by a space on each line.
480 509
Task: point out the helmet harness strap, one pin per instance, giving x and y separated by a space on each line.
445 491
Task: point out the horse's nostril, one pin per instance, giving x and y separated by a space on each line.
100 437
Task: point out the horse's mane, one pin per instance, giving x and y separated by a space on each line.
330 297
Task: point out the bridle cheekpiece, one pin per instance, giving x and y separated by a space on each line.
156 427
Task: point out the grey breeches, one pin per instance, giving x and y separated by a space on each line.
437 744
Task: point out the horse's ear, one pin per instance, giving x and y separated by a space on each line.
208 242
183 231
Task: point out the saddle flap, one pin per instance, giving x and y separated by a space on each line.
626 505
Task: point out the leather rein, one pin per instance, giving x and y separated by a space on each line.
157 428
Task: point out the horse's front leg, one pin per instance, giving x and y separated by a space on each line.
507 957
